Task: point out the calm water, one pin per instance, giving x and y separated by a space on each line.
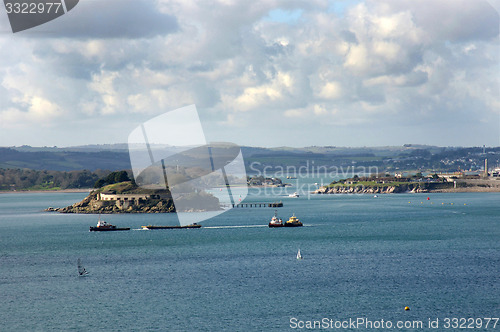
363 257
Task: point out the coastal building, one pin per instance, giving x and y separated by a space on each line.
111 196
123 201
496 173
450 177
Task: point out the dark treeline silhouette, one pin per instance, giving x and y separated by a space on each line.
111 178
28 179
62 160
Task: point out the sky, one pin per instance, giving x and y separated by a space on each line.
261 73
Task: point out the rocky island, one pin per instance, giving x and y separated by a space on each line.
127 197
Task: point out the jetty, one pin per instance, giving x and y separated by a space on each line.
257 205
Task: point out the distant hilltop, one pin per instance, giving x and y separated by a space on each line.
392 159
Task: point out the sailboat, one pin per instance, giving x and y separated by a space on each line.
81 270
299 256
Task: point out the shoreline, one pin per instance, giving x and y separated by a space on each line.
88 190
437 191
467 190
448 190
393 186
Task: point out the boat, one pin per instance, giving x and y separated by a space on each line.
103 226
293 222
299 256
275 222
81 270
195 225
295 194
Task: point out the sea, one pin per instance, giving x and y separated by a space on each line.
365 260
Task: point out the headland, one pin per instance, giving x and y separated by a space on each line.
393 185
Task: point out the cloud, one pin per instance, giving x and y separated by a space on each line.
275 91
330 90
452 20
301 63
32 110
130 19
386 42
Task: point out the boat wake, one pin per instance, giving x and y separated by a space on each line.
242 226
221 227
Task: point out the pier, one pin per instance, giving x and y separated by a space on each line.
258 205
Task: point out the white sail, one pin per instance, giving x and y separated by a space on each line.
81 269
299 256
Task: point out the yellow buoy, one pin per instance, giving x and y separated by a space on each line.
407 308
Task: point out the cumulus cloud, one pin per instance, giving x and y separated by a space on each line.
419 64
128 19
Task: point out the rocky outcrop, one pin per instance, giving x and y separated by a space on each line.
370 190
161 203
91 204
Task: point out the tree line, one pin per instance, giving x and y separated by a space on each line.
28 179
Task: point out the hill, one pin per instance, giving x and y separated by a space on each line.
390 158
62 160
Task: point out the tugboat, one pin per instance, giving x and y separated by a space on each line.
293 222
275 222
103 226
